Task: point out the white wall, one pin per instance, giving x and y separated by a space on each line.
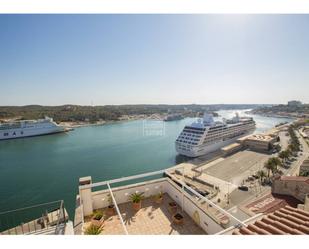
206 222
121 194
100 199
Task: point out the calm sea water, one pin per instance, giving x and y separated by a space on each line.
41 169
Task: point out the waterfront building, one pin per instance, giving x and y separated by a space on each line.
231 148
259 142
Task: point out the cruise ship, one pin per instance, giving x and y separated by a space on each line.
29 128
206 135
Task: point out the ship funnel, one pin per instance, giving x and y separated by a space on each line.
208 119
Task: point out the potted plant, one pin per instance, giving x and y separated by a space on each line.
136 199
178 218
172 207
111 206
97 218
93 230
159 197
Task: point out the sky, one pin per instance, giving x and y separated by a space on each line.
153 59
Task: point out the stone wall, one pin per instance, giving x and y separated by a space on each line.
294 186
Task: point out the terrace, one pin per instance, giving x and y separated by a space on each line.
198 215
152 218
45 218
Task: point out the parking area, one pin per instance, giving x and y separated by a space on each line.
236 168
284 139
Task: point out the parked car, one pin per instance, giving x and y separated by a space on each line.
251 178
243 188
203 193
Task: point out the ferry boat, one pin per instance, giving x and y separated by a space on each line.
173 117
206 135
29 128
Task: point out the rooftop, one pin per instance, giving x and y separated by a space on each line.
295 178
192 213
284 221
260 137
271 202
151 219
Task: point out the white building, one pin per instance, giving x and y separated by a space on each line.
201 216
294 103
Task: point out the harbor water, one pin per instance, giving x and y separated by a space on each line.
47 168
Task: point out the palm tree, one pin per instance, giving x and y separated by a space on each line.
276 162
284 155
261 174
272 165
269 167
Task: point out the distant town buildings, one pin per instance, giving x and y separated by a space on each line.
294 103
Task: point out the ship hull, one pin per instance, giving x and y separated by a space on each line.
205 149
27 132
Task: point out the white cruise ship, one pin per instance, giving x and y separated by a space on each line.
206 135
29 128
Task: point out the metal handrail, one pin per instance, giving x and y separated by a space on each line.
122 179
24 208
117 209
19 226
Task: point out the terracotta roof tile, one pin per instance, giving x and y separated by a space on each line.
272 202
286 220
289 223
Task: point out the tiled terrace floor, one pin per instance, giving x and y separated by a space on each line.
152 219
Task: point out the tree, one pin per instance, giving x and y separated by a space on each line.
284 155
261 174
272 165
269 168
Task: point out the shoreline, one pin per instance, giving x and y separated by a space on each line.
275 115
79 124
75 125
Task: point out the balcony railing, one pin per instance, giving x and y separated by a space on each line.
45 218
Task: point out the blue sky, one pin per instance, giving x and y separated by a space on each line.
152 59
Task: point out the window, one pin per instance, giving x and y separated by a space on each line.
6 134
